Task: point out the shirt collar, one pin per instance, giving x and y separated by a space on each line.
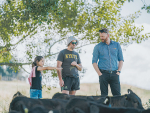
110 42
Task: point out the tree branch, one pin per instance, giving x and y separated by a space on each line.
15 64
54 44
5 51
82 46
25 70
24 36
9 45
58 52
50 55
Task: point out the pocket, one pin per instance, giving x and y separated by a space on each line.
100 77
114 51
33 90
34 93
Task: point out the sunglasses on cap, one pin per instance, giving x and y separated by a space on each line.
102 31
74 43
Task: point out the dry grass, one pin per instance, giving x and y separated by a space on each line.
8 89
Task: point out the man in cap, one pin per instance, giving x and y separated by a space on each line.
109 54
69 60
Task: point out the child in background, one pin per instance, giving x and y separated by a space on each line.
35 77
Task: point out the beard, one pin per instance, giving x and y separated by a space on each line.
72 47
104 40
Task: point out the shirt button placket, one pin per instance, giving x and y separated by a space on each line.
109 57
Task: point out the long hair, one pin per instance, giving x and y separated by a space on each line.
37 58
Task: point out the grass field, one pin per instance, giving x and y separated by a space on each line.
8 89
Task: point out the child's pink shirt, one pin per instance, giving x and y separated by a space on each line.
32 74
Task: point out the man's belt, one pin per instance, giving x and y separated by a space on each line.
108 71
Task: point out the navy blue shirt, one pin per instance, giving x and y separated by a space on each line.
67 57
36 81
107 56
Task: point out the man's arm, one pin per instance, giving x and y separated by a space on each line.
61 82
95 59
79 66
120 66
97 69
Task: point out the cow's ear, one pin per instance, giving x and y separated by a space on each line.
19 94
130 91
106 101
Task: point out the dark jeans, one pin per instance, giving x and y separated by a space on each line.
113 80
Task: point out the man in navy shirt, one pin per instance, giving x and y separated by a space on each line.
109 56
70 61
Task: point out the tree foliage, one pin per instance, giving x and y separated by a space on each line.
40 25
7 72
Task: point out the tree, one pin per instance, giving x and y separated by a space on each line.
24 21
8 71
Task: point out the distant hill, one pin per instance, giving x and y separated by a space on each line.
8 89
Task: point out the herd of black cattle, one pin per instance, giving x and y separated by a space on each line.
63 103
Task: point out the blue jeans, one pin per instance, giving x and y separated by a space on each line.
35 93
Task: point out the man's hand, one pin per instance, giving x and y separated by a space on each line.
118 73
97 69
73 63
100 74
61 83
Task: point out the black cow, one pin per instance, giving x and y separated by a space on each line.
38 109
68 97
127 100
42 109
146 111
21 103
133 100
78 105
14 111
123 101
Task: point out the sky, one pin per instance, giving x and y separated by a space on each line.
136 66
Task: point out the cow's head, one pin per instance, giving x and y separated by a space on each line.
61 96
114 101
133 100
17 94
127 100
